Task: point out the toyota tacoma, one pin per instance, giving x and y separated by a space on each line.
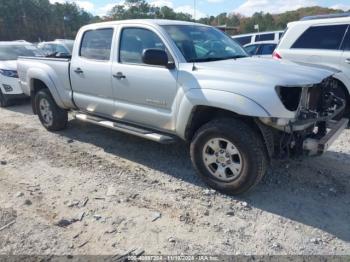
164 80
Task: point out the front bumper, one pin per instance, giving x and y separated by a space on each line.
319 146
10 86
11 97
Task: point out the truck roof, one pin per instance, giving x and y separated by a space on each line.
157 22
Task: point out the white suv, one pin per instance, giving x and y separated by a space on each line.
258 37
10 88
321 40
59 46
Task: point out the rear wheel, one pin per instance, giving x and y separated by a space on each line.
52 117
229 156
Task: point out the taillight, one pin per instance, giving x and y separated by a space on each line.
276 56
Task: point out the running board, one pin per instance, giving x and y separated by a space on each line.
125 128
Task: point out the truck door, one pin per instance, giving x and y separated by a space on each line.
144 94
91 73
345 60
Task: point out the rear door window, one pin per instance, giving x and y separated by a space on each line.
346 43
96 44
322 37
264 37
243 40
252 49
267 49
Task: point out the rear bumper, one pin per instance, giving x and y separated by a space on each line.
319 146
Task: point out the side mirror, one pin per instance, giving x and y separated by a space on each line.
156 57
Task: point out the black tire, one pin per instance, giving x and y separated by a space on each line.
252 154
59 119
3 101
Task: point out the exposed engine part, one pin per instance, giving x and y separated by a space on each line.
320 102
315 107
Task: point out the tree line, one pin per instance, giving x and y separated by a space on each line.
40 20
266 21
35 20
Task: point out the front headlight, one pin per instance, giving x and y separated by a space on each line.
9 73
290 96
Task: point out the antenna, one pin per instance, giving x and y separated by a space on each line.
194 9
194 68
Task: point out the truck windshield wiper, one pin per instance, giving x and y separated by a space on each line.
211 59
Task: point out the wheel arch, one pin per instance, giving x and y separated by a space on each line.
39 79
202 115
345 86
216 100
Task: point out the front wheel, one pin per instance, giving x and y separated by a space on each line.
229 156
52 117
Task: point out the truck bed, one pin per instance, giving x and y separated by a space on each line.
54 72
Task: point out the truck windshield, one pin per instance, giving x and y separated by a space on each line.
203 43
12 52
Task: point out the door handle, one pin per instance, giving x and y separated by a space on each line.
119 76
78 71
347 60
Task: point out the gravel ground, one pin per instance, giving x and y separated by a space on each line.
89 190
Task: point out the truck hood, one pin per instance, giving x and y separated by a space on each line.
264 72
8 65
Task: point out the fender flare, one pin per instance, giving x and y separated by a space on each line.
229 101
39 74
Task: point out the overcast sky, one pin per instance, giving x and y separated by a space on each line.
214 7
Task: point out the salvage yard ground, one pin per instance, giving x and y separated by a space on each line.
89 190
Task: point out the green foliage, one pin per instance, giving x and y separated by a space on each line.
266 21
36 20
140 9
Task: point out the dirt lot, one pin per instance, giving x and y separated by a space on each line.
89 190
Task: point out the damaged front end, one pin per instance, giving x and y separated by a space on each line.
314 128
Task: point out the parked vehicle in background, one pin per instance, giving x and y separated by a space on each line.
10 89
321 40
164 80
246 39
59 47
261 49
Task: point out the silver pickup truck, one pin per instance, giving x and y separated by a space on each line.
165 80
